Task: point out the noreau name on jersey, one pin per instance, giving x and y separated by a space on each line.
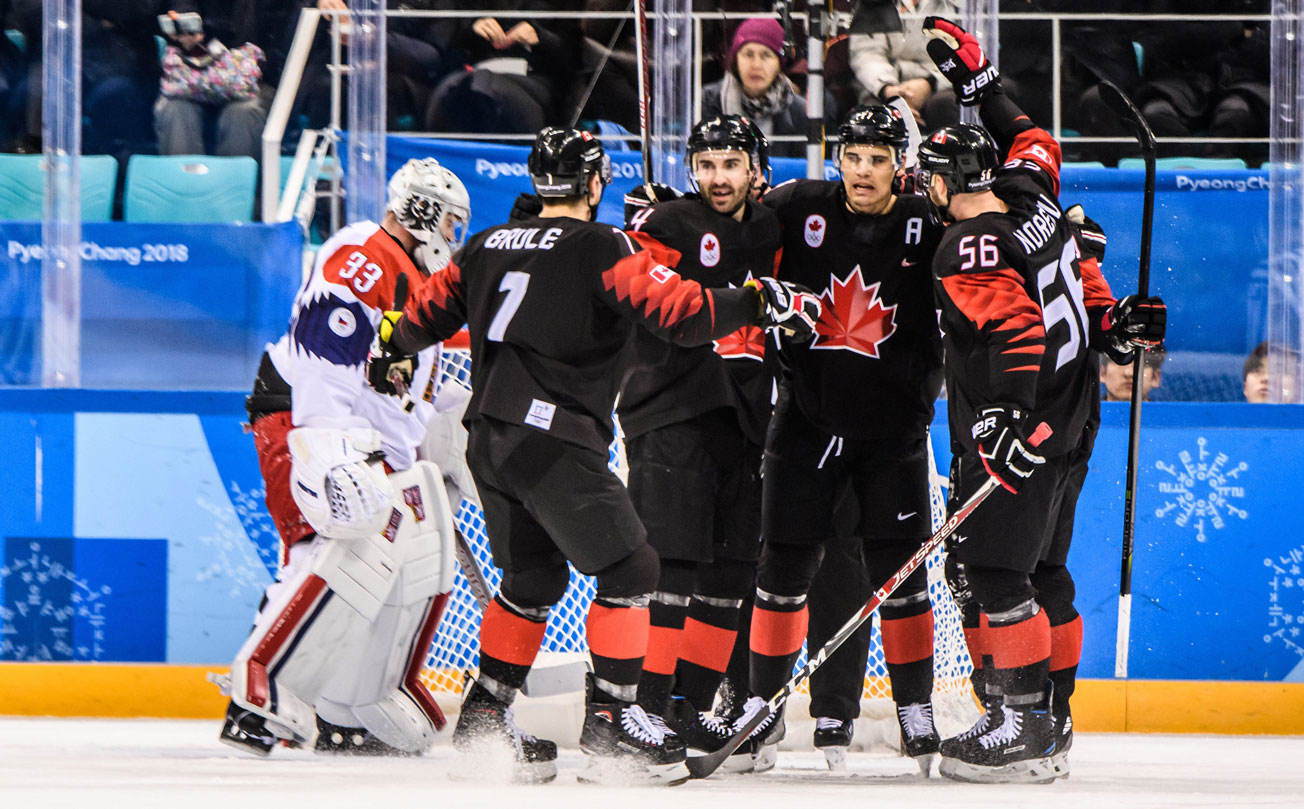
522 239
1034 233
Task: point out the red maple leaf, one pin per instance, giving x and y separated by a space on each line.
709 245
854 317
746 343
815 226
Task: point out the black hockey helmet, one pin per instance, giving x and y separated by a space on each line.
728 133
877 125
964 155
762 150
562 161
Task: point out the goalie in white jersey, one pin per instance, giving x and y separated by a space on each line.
334 658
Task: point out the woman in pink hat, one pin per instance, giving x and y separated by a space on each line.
754 86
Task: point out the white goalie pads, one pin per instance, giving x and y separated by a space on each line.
338 480
346 629
445 446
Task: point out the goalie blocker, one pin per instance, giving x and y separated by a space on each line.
344 632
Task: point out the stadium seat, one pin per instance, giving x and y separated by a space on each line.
1185 163
1084 164
190 188
22 185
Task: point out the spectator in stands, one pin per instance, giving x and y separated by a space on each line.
1255 375
894 63
1116 380
205 83
755 86
517 70
607 85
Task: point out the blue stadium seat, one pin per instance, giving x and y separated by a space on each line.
1185 163
190 188
1084 164
22 186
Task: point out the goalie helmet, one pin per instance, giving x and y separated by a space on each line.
432 204
562 161
963 155
875 125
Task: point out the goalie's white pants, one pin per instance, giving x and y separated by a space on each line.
346 627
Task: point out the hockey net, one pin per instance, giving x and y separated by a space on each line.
455 652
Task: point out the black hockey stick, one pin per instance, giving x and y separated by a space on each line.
640 43
1127 111
702 766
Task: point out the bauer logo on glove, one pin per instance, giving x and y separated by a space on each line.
958 55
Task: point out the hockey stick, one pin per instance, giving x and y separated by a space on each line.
702 766
1126 110
640 44
597 73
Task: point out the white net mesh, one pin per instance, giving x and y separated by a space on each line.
456 650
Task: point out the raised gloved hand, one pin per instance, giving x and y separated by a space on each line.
1003 446
792 308
1093 235
389 370
1133 322
958 55
526 206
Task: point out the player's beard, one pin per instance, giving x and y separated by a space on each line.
733 209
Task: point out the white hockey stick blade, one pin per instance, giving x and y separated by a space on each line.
912 129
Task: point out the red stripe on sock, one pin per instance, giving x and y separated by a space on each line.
285 627
707 646
618 633
1021 644
973 639
663 644
1066 645
508 637
908 640
777 633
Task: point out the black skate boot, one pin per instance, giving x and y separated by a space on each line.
492 747
626 747
702 732
991 717
1015 751
919 739
346 741
245 730
1059 761
833 739
764 741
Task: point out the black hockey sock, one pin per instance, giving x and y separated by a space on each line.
907 631
509 642
708 643
778 630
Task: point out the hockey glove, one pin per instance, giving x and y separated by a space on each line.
961 60
1135 322
792 308
1003 447
527 206
1092 235
636 199
389 370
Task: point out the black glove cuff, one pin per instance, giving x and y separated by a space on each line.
1003 118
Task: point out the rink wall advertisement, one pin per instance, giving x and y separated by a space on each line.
135 531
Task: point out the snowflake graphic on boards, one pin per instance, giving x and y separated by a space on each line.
1204 490
1286 600
38 626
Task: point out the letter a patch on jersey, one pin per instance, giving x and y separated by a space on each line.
815 227
854 317
710 252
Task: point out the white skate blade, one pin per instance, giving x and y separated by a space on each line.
835 757
925 763
765 757
1059 763
625 772
1032 771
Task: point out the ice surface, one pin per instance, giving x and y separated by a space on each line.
142 764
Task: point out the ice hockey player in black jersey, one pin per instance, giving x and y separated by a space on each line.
551 302
852 416
1022 305
694 420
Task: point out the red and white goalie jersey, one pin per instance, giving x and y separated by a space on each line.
334 320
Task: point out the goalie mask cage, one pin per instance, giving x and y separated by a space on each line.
455 652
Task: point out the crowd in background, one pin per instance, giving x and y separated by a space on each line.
144 90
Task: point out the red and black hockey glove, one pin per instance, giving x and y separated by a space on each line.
1003 446
1133 322
792 308
958 55
1091 234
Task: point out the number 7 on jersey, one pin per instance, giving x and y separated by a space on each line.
514 283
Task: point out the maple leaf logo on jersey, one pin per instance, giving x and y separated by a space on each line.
853 317
709 254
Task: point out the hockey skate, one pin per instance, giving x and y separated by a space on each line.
626 747
919 739
764 742
492 748
248 731
345 741
1015 750
833 739
1059 761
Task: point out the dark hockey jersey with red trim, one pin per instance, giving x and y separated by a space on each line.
550 305
1016 298
875 364
671 383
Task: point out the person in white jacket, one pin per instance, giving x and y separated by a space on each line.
890 64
